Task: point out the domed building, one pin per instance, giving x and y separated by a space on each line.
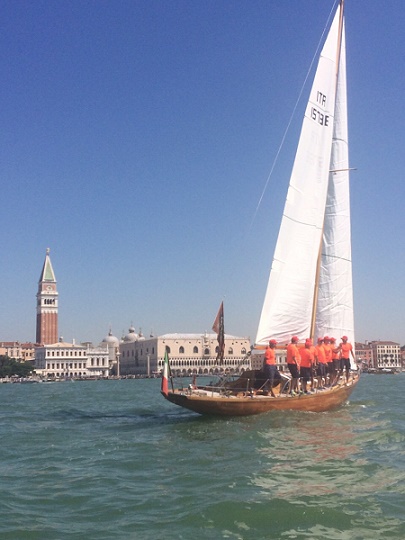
131 337
128 347
113 345
189 353
111 340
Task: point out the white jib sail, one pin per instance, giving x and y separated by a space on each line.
289 297
335 295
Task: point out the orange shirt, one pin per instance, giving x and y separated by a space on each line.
346 348
270 356
307 356
335 353
320 354
328 352
293 354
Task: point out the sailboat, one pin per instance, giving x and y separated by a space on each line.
309 291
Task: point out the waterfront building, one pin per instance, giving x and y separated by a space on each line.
112 344
47 305
98 361
64 360
386 354
364 354
24 352
188 354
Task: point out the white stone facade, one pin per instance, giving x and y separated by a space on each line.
386 354
188 353
67 360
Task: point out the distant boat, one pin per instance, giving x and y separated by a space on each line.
309 291
383 371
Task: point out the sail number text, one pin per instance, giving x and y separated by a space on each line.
318 116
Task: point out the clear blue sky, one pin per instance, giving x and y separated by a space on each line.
137 137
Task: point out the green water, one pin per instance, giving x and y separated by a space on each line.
114 460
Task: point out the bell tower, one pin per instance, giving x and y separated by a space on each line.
47 305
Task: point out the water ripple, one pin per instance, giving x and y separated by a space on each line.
113 460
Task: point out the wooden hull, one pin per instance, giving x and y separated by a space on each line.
203 401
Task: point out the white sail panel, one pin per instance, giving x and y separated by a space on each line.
335 294
288 302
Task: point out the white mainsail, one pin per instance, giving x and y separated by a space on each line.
289 299
334 314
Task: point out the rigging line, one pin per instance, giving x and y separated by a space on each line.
292 116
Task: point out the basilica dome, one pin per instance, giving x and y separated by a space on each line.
111 340
131 336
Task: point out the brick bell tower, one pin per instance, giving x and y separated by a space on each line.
47 305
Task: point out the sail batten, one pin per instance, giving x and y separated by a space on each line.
314 208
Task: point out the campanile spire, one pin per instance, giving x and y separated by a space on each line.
47 304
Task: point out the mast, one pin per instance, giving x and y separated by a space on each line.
219 329
319 261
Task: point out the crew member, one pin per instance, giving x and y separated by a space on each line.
337 362
320 357
269 364
293 363
307 361
346 349
329 360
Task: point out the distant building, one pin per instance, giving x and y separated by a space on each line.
25 352
112 343
188 354
68 360
386 354
98 361
47 305
364 354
